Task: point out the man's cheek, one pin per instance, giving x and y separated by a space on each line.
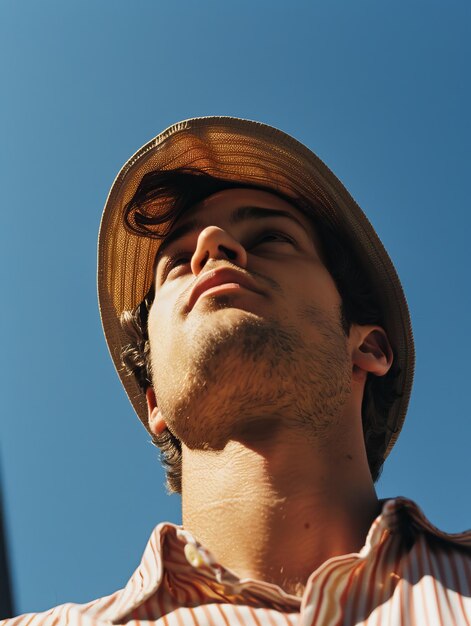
156 321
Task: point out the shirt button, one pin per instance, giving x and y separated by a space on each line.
193 555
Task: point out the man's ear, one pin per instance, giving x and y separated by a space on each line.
372 352
157 424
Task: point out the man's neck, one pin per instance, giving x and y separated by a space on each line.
276 510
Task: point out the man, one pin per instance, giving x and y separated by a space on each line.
262 335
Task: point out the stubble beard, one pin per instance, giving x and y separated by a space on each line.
241 368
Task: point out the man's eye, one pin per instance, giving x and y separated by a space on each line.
176 260
179 261
273 237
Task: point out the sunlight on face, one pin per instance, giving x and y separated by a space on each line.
263 330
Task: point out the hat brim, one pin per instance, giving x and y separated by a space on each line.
256 154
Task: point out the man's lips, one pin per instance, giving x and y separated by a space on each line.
219 280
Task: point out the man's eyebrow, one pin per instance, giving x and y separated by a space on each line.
239 215
247 212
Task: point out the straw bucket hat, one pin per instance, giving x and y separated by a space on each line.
254 154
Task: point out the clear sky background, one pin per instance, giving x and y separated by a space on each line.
379 90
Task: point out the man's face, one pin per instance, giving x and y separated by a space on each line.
245 324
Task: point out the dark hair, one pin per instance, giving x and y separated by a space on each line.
359 302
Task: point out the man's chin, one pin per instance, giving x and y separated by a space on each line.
224 305
221 318
230 362
208 327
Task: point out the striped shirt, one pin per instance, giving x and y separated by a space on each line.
408 573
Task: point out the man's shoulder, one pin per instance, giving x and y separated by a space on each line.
428 553
64 613
404 515
107 608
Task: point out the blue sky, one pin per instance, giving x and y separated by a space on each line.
380 91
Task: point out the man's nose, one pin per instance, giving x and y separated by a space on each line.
216 243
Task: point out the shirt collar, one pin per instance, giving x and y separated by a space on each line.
175 552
